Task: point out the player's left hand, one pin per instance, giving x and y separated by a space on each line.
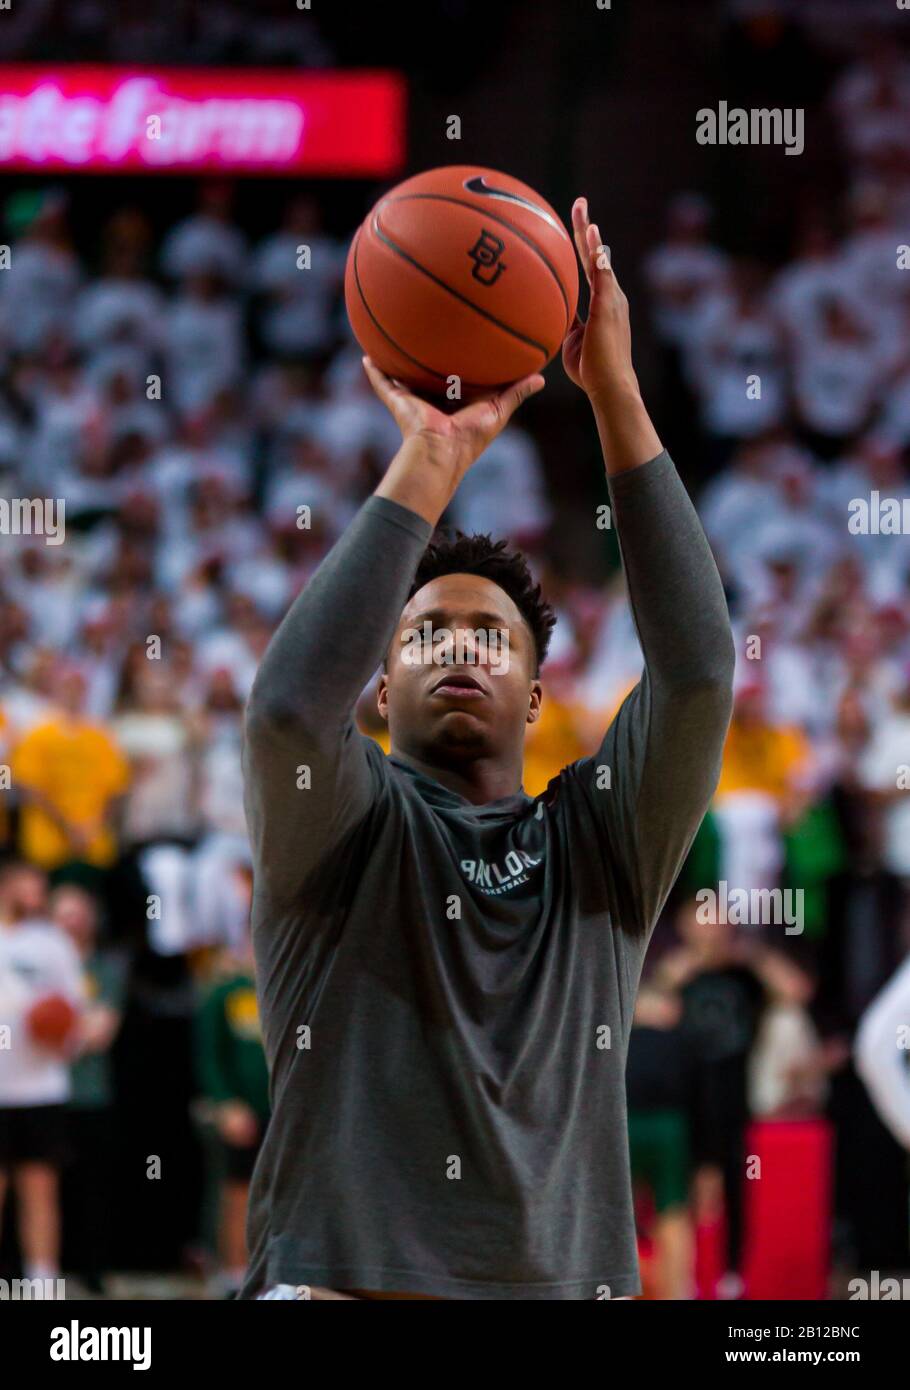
597 354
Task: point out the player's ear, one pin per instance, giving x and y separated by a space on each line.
535 697
382 693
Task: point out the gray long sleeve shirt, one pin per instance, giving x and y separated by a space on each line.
448 1090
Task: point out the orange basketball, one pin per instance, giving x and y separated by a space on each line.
461 272
51 1020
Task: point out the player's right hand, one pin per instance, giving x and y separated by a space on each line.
459 438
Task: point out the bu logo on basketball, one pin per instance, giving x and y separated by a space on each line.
485 254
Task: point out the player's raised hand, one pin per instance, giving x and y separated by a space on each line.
597 354
459 438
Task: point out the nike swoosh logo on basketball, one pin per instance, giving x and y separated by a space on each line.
478 184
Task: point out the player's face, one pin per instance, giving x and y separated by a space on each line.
460 681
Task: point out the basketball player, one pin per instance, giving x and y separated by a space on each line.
447 969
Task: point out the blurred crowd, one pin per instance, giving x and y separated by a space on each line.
793 383
198 403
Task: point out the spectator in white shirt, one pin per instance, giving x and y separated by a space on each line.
299 272
870 250
121 306
204 344
219 912
207 243
736 360
309 482
882 1053
38 289
875 465
37 962
684 270
504 492
747 488
800 291
872 101
158 739
67 418
884 770
837 379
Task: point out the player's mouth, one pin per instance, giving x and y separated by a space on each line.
458 686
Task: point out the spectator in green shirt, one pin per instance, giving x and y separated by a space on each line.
88 1179
234 1079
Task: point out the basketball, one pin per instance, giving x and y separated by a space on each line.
51 1020
463 272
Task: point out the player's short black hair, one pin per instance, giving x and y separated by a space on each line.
457 553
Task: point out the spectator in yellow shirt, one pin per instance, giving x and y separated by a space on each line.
764 787
68 772
763 757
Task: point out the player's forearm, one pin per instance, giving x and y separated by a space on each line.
675 590
422 476
338 629
627 436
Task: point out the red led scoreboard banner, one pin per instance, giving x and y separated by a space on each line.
173 120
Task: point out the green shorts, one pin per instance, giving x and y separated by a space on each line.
659 1152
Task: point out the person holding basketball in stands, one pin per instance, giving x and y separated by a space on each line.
447 968
41 1003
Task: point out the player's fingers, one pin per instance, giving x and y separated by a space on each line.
507 402
386 389
579 232
599 255
490 414
605 288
